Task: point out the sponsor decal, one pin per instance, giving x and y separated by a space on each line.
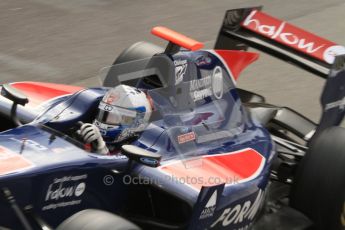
65 191
201 88
342 216
149 161
187 137
118 110
210 207
208 86
61 205
217 82
292 36
56 193
11 162
203 60
108 108
335 104
240 215
180 70
60 191
79 190
331 52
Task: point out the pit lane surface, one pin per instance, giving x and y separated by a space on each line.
68 42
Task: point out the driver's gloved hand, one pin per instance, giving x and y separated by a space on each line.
91 135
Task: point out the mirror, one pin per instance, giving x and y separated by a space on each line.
17 97
141 156
14 95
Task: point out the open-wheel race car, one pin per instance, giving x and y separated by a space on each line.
213 156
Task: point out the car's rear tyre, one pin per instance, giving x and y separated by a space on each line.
91 219
319 185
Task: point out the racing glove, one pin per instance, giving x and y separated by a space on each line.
91 135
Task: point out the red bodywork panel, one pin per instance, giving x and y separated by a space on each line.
176 38
39 92
292 36
12 162
210 170
237 60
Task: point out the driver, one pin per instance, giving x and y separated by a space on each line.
123 113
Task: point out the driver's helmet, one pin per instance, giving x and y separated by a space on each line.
123 112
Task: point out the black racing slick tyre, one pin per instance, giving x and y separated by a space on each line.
91 219
319 185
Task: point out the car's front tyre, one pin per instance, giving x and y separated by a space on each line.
91 219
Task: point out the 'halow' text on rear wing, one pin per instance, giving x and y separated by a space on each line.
249 27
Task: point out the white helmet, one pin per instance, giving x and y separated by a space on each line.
123 111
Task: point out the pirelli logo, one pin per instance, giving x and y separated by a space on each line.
186 137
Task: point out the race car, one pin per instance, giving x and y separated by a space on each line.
212 157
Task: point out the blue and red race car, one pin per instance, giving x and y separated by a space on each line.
213 156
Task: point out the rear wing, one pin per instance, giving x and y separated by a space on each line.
251 27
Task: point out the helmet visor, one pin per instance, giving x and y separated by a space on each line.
114 115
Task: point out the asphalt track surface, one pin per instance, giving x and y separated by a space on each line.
69 41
